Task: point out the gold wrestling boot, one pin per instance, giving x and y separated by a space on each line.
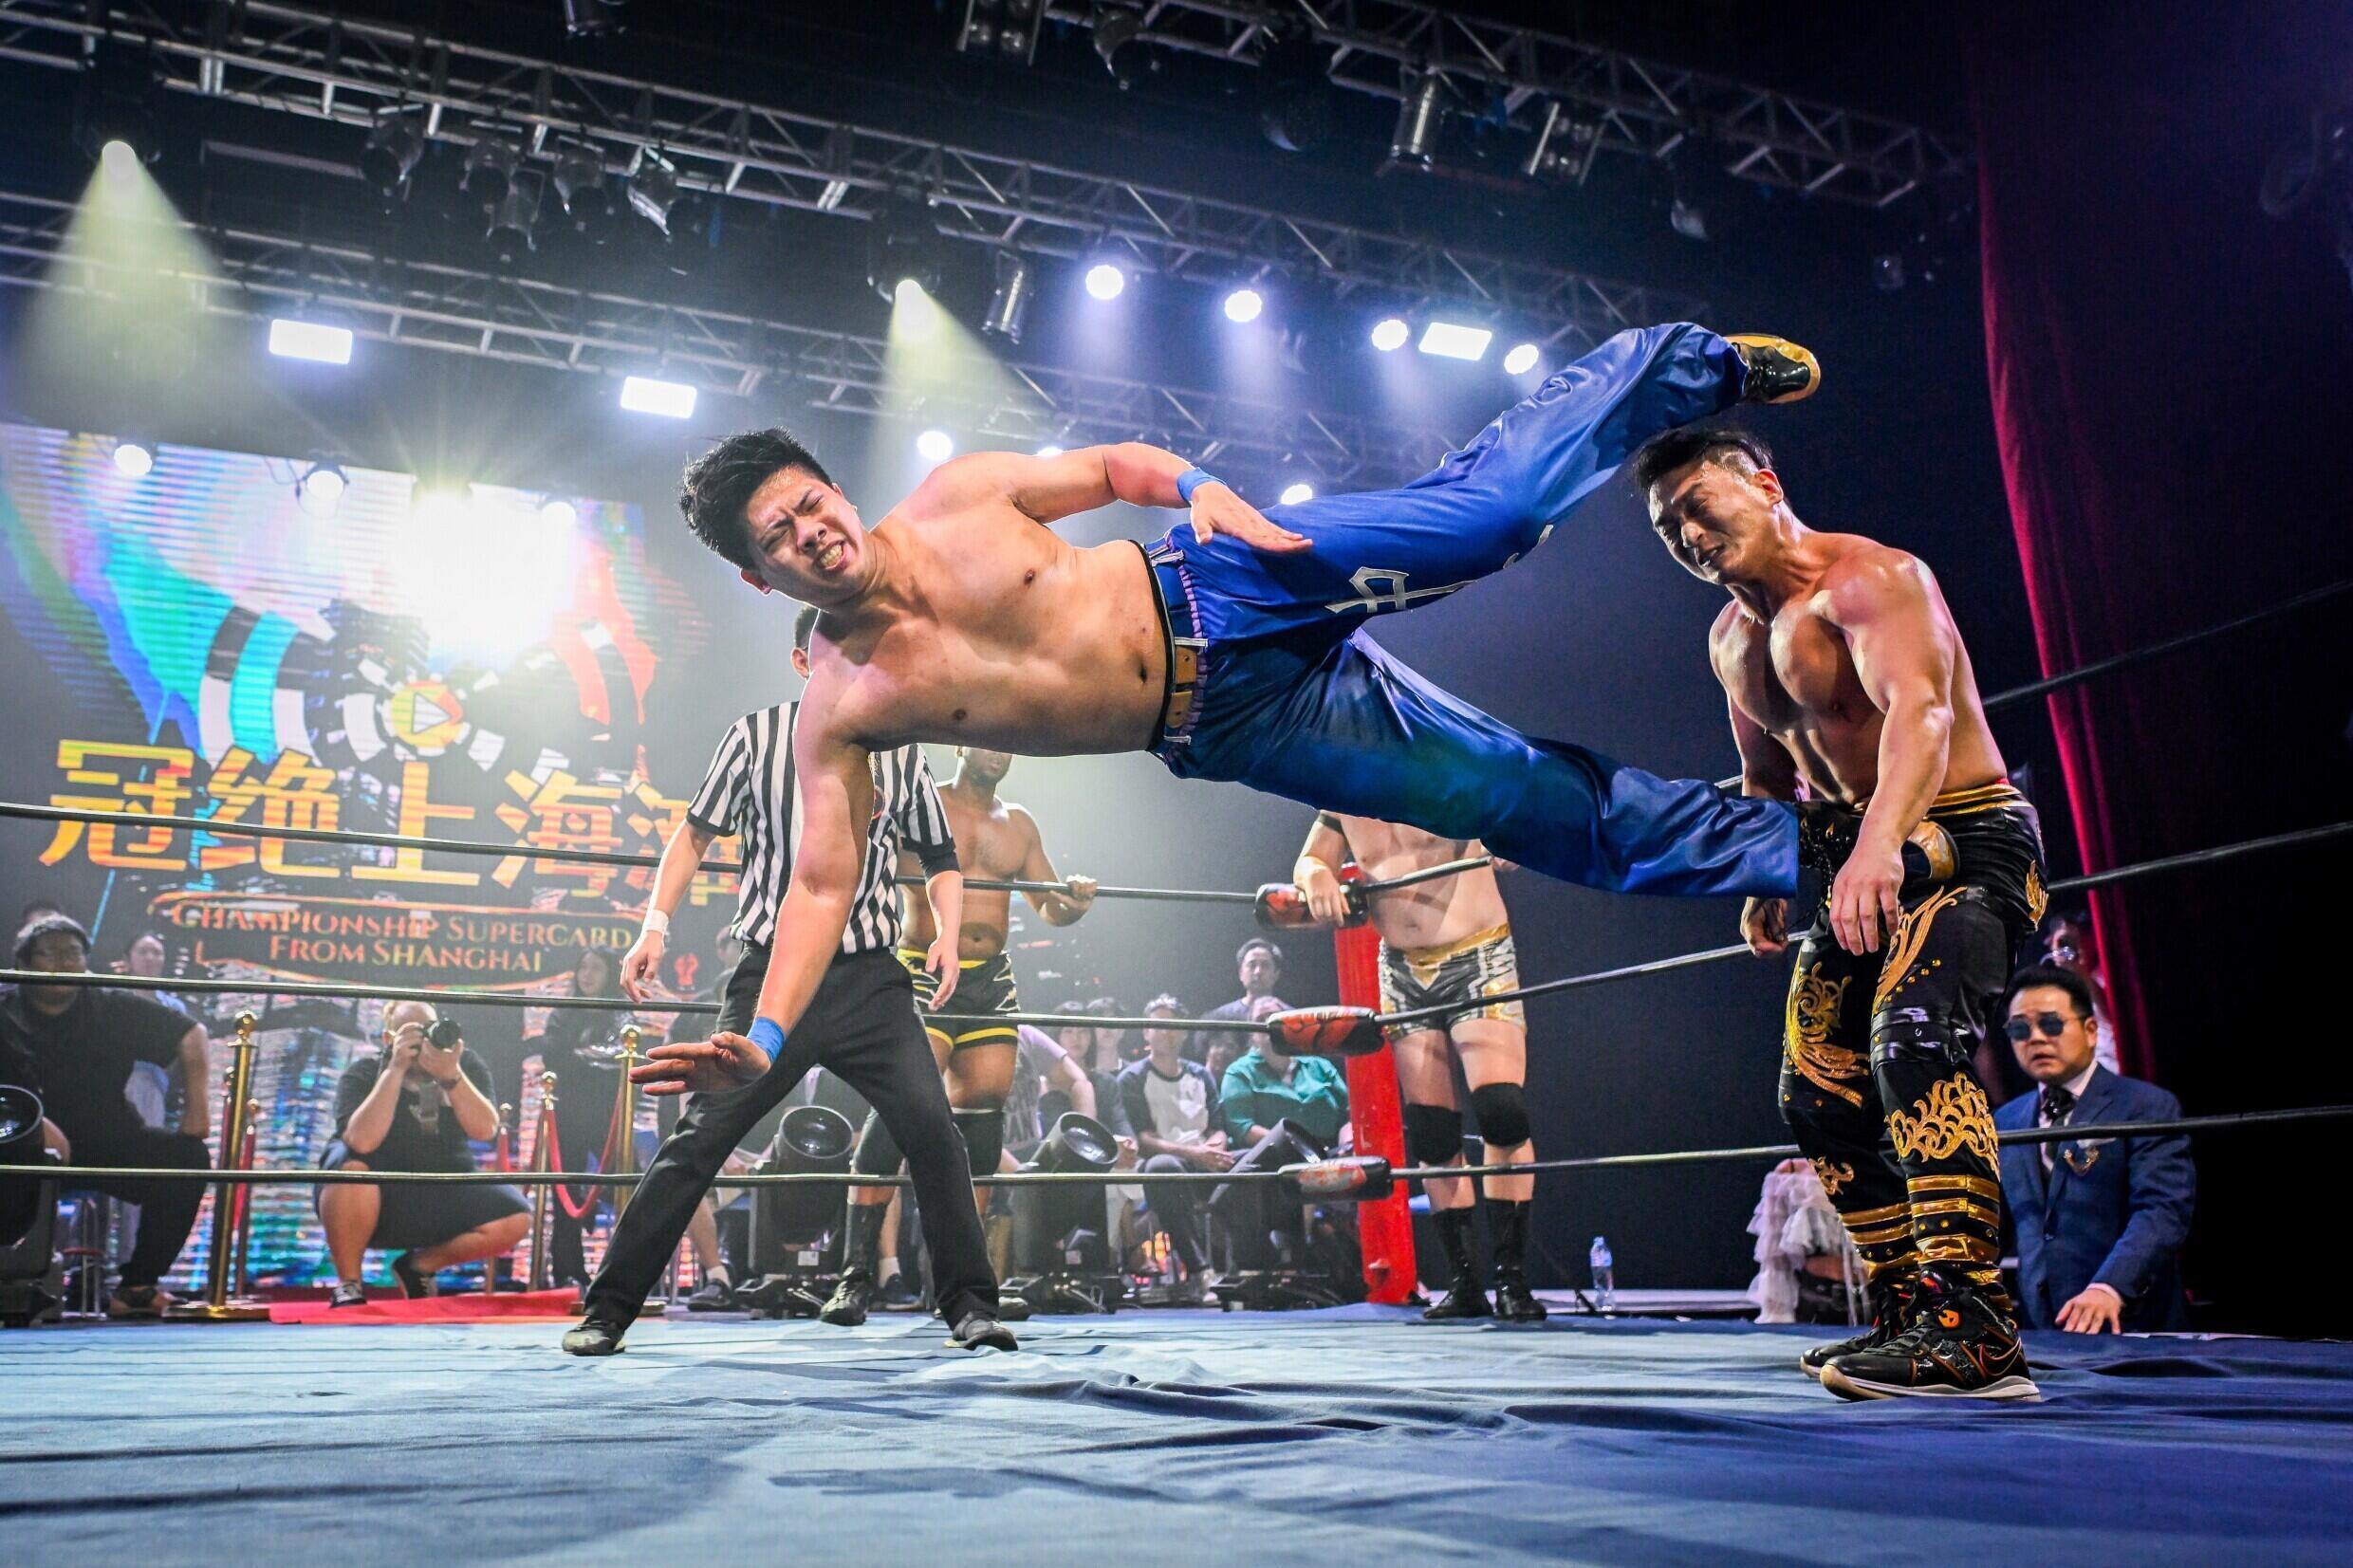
1779 370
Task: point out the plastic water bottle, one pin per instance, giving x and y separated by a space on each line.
1604 1280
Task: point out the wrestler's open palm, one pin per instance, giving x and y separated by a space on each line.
1218 509
700 1066
941 961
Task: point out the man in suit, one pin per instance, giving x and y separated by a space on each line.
2100 1221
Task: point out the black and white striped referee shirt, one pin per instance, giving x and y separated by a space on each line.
749 793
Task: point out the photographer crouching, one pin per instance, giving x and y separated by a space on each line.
413 1107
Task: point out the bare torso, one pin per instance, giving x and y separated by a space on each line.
1010 639
1428 914
993 840
1795 678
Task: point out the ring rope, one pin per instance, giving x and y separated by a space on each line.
1736 950
2075 1131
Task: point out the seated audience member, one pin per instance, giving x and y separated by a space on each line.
413 1106
2100 1221
1282 1110
1172 1103
1119 1046
77 1046
1096 1051
1042 1071
1259 963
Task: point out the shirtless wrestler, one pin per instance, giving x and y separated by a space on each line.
1232 649
1848 682
995 841
1446 942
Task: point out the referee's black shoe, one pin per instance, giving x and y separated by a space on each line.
978 1331
592 1339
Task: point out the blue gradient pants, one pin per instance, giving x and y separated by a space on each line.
1294 699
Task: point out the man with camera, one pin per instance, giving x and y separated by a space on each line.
413 1107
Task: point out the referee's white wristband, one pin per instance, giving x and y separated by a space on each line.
657 922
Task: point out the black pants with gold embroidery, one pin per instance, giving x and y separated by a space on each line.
1877 1045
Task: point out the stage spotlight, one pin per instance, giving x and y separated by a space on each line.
1114 41
394 142
321 489
1049 450
1888 274
1418 118
654 189
313 341
579 176
1298 107
1687 219
558 513
1521 359
1105 281
488 171
1295 492
1244 305
134 459
120 101
1004 30
119 159
592 18
903 247
511 221
646 395
1565 147
934 446
1389 333
1008 302
1454 341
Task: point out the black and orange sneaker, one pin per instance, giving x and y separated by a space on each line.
1893 1301
1779 371
1957 1348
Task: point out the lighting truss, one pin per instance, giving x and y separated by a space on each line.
344 69
1641 107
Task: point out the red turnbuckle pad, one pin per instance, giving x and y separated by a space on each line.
1328 1031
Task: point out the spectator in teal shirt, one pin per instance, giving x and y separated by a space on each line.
1266 1086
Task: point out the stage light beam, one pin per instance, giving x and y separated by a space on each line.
1390 333
1295 492
1105 281
1521 359
134 459
934 446
1244 305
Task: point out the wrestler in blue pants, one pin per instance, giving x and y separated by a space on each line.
1293 698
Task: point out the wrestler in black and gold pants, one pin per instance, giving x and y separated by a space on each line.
1878 1045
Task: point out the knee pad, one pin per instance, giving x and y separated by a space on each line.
1433 1133
1502 1110
984 1138
877 1152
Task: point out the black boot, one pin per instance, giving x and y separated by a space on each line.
1507 1221
1465 1296
1892 1300
847 1307
1958 1347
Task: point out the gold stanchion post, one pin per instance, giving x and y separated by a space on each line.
539 1194
498 1138
241 1250
217 1307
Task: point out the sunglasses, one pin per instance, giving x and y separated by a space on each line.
2026 1026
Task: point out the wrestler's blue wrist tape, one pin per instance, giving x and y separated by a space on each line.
767 1034
1193 479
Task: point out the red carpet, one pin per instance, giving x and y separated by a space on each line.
531 1306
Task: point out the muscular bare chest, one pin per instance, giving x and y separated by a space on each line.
988 843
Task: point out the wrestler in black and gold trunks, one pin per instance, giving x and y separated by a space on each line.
1879 1043
984 986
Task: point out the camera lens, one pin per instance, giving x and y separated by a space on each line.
443 1034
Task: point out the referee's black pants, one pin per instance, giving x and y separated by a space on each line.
863 1024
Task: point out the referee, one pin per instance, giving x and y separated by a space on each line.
863 1024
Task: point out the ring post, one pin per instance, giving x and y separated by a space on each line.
538 1280
1384 1226
216 1307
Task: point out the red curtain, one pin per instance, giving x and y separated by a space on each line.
2169 371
